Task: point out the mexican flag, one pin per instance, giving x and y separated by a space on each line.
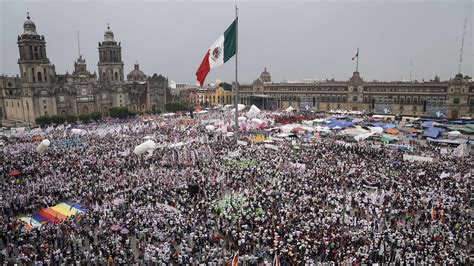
220 52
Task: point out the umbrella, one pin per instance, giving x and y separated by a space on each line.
124 231
14 173
115 228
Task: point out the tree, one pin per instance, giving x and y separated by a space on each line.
226 86
71 118
467 77
58 119
436 79
84 117
43 120
176 107
95 116
119 112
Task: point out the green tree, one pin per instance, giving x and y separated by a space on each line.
467 77
43 120
176 107
71 118
58 119
95 116
226 86
119 112
84 117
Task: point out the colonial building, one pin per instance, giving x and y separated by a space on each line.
40 91
448 99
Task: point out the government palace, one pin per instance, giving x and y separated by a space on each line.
40 91
442 99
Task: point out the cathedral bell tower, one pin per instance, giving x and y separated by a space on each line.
35 66
110 59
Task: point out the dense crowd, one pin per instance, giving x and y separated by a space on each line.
194 203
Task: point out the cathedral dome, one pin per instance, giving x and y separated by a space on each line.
109 35
136 74
29 26
265 76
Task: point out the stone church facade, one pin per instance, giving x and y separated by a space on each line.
40 91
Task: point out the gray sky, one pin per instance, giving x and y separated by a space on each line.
294 40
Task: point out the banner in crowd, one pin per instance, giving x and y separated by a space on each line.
52 214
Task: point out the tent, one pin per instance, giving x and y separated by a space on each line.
290 109
432 132
389 138
338 124
392 131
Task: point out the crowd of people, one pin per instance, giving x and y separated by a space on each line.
326 201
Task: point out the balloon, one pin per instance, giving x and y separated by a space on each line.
43 146
145 146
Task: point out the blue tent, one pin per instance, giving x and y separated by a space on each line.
386 126
432 132
376 124
341 124
428 123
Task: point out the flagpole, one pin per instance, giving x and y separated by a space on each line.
236 96
357 64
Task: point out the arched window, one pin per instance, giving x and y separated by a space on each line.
39 77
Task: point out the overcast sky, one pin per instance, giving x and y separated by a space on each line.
294 40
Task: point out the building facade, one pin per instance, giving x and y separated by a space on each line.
40 91
448 99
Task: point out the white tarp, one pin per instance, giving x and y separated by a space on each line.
290 109
363 136
253 112
376 130
270 146
414 158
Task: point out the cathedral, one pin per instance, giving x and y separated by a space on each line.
40 91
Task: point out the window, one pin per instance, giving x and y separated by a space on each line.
104 96
408 100
415 100
44 107
39 77
18 104
354 98
456 100
44 101
61 98
116 76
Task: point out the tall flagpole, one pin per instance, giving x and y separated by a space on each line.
236 97
357 64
